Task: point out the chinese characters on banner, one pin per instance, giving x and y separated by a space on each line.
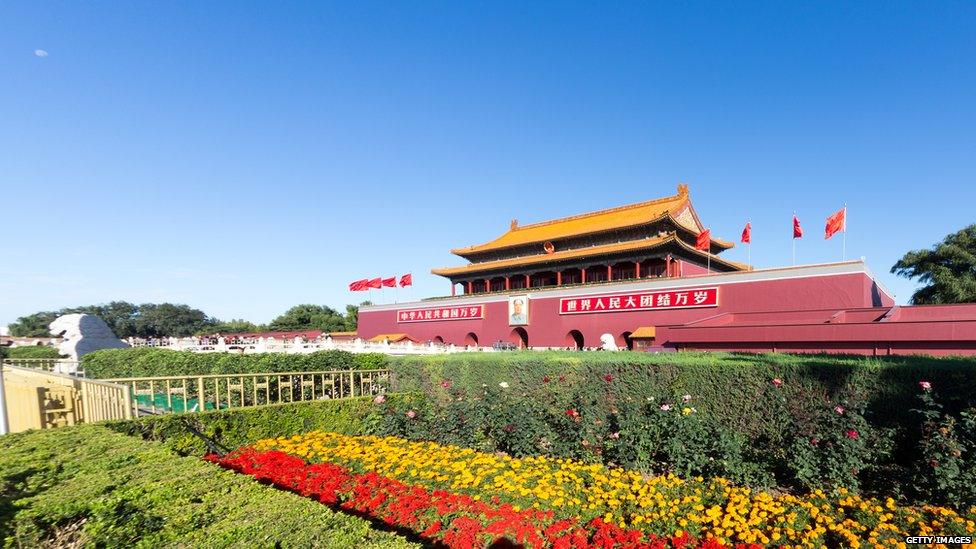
467 312
642 301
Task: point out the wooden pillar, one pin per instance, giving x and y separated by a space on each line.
609 273
583 274
667 265
470 288
453 289
559 278
637 265
528 281
508 285
487 285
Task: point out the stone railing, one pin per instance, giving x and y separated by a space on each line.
298 346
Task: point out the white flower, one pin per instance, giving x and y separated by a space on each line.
503 385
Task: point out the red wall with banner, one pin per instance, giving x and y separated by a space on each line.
835 308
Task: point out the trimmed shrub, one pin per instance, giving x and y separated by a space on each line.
232 429
32 351
88 486
147 362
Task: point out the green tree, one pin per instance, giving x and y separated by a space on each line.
309 317
948 270
125 319
352 315
233 326
167 319
34 325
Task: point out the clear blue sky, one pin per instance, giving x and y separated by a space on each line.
245 157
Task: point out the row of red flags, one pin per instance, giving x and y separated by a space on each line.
837 222
380 282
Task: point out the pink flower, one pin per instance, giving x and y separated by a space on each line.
686 399
839 409
815 441
851 433
925 385
380 399
608 378
411 414
446 384
777 382
614 435
665 407
509 428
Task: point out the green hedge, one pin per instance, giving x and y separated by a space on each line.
730 387
32 351
234 428
90 486
723 415
146 362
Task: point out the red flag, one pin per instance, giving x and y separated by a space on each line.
389 282
704 241
836 223
406 280
374 283
358 285
747 233
797 230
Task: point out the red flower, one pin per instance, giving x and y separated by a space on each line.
446 384
545 379
777 382
851 433
608 378
815 441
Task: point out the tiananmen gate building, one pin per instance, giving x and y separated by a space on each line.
634 274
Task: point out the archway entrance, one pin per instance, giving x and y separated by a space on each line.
574 339
625 341
471 340
520 338
439 340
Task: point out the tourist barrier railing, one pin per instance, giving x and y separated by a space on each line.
35 399
178 394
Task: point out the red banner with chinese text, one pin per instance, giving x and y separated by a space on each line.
641 301
466 312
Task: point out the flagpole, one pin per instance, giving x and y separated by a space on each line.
749 222
844 245
793 233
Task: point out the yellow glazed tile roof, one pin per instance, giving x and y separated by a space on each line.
644 332
394 338
592 222
592 251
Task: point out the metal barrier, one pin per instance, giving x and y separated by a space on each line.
178 394
35 399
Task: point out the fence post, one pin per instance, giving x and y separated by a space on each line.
352 384
127 397
200 403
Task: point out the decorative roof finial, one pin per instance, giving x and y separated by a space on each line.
682 189
514 224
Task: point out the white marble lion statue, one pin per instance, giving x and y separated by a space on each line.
83 334
608 343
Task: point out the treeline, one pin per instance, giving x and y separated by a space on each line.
150 320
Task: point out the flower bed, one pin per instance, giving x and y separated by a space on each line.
455 520
593 495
